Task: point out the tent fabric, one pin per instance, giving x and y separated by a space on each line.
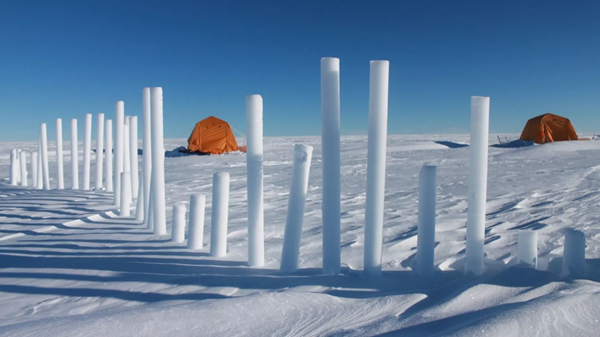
548 128
213 136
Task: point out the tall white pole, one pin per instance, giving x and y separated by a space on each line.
296 205
330 142
119 120
133 152
125 208
478 160
45 170
527 248
39 177
18 168
574 254
126 156
426 227
147 152
158 163
13 167
377 146
99 151
23 167
87 148
254 159
59 154
34 168
139 206
178 229
109 154
74 155
196 221
219 217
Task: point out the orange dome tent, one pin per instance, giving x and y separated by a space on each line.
548 128
212 136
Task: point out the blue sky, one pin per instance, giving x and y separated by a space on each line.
67 58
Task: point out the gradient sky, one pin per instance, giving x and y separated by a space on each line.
67 58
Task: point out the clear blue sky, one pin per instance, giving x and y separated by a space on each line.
67 58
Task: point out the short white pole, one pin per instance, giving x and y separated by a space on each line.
34 168
527 248
377 145
147 152
99 151
74 155
119 120
23 167
254 158
109 154
125 209
59 155
296 205
219 216
139 206
330 142
178 229
196 221
45 170
158 163
574 254
39 177
133 155
18 166
478 161
426 228
87 148
13 167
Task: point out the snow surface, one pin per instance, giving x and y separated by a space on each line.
68 266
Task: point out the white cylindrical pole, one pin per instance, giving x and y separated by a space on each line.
39 180
178 229
150 214
119 120
254 159
527 248
74 155
296 205
147 152
377 145
126 157
59 154
109 155
45 168
18 166
23 167
196 221
330 142
478 160
125 209
99 151
13 167
219 216
158 163
87 148
139 205
574 254
133 155
34 168
426 230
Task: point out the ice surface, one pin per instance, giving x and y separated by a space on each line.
110 276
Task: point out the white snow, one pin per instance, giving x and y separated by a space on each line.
66 271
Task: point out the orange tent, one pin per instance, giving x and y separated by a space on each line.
212 136
548 128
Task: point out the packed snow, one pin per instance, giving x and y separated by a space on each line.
70 266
